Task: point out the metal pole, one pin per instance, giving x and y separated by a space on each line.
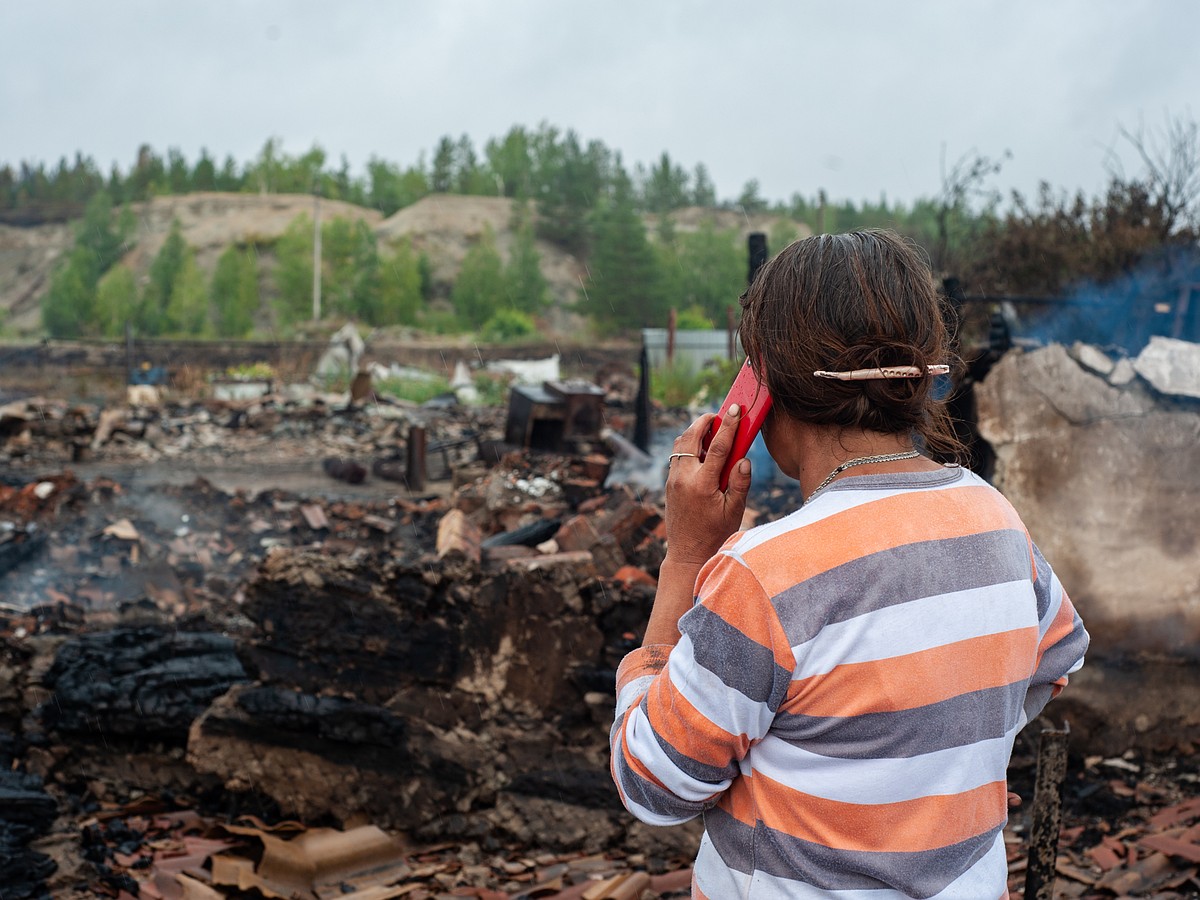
1047 814
672 319
730 331
316 306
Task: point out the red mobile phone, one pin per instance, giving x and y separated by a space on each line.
755 401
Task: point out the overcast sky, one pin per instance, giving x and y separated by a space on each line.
860 98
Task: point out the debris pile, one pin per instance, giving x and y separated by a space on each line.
214 693
40 432
440 666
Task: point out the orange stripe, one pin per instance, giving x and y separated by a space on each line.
686 729
741 602
907 826
917 679
633 762
649 660
881 525
1063 625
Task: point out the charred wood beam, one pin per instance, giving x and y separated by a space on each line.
1047 814
137 682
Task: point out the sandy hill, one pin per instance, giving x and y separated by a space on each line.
443 226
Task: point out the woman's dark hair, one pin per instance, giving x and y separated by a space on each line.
851 301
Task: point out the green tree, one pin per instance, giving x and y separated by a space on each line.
234 292
469 176
750 199
263 174
187 306
350 268
526 286
511 160
479 289
148 176
204 176
665 187
153 315
179 174
69 309
389 189
705 270
704 192
400 297
294 271
569 183
624 287
441 179
116 301
229 179
366 276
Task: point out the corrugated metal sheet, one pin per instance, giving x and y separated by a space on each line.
692 348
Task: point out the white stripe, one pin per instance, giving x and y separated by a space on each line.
643 746
918 625
1056 599
986 880
642 814
832 504
870 781
725 707
632 691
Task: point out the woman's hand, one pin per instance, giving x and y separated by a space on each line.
699 515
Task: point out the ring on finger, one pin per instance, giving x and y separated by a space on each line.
674 456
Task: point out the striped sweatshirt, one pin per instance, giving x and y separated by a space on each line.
842 705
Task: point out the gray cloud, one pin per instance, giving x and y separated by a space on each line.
859 99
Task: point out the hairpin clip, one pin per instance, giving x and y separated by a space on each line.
884 372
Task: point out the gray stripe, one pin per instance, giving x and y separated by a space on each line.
740 663
919 875
647 793
900 575
1042 584
955 722
1058 659
714 775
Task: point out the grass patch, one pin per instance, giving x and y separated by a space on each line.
676 386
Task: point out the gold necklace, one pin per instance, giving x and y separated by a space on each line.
861 461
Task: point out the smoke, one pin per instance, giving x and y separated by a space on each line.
1161 296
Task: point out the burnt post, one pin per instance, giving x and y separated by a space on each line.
756 245
641 428
414 472
757 242
1046 819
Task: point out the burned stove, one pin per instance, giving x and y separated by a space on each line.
555 416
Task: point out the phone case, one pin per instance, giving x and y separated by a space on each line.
755 401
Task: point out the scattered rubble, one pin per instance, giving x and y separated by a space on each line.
210 693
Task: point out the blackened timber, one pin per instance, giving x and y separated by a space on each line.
1047 814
